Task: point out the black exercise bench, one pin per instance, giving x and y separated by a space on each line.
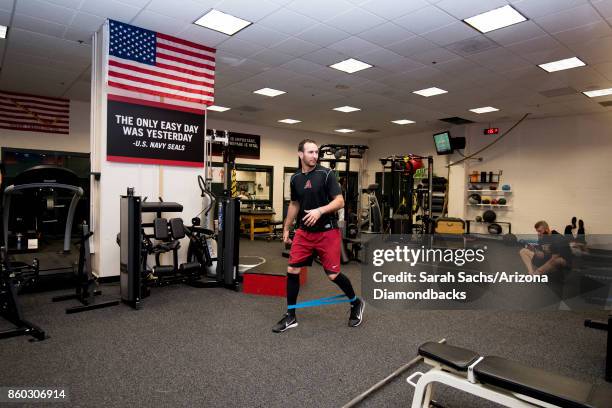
502 381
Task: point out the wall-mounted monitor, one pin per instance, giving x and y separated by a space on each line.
442 141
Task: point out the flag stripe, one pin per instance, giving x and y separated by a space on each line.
185 71
157 93
33 123
159 84
185 42
195 75
172 48
39 112
124 68
30 96
28 129
182 62
34 108
141 101
34 102
30 117
146 98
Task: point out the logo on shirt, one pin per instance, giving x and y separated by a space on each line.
308 185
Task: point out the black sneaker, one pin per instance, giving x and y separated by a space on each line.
286 323
356 313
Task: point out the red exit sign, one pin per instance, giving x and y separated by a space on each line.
491 131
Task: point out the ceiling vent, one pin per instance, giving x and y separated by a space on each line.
472 46
455 120
552 93
606 104
369 131
247 108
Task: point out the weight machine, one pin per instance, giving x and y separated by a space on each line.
398 212
334 154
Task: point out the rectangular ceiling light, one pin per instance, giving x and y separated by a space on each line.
222 22
495 19
346 109
403 121
3 30
484 109
217 108
350 65
560 65
430 92
344 130
269 92
290 121
598 92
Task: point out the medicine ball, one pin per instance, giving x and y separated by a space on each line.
506 187
502 201
474 199
495 229
493 187
494 201
474 187
486 201
489 216
478 218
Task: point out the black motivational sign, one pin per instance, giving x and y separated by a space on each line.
243 145
145 134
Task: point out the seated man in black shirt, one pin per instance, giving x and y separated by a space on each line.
552 252
316 196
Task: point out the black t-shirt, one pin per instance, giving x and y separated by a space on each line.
315 189
557 245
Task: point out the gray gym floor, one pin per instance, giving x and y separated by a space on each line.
214 347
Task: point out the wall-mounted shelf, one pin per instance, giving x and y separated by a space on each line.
490 191
489 205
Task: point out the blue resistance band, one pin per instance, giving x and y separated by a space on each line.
322 301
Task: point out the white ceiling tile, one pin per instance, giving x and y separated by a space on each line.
463 9
385 34
456 65
329 74
516 33
451 33
411 46
272 57
186 11
79 90
296 47
355 21
240 47
45 11
382 57
73 34
584 33
7 5
159 23
38 25
258 34
353 46
323 35
604 69
424 20
200 35
534 45
390 9
249 10
537 8
142 3
302 66
325 56
287 21
568 19
73 4
472 45
375 73
437 54
604 7
321 10
499 59
110 9
86 22
246 65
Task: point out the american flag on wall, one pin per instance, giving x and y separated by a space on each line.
154 69
33 113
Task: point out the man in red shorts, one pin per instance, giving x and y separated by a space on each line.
316 196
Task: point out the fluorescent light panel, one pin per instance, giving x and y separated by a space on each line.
598 92
402 121
495 19
430 92
560 65
350 65
217 108
344 130
3 30
222 22
346 109
269 92
484 109
290 121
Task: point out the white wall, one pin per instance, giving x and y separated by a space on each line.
76 141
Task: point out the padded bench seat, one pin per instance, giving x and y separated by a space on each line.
542 385
455 357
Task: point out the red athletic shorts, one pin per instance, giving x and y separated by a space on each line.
326 244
